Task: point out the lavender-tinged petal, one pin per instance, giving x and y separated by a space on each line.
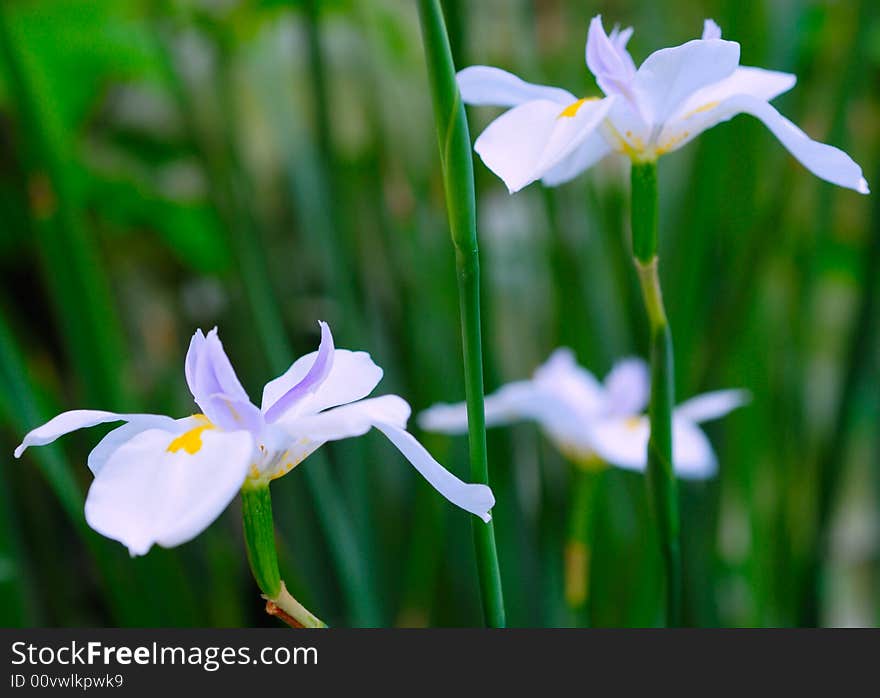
316 375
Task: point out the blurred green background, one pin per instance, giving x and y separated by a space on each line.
259 165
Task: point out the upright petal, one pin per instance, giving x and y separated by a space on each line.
310 382
627 387
150 492
709 406
824 161
711 30
483 85
561 375
353 376
215 387
525 143
67 422
670 76
608 59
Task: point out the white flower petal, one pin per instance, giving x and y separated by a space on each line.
708 406
484 85
624 443
525 143
347 421
353 376
711 30
627 388
745 80
561 375
389 414
824 161
114 439
587 154
310 383
692 453
474 498
67 422
215 387
608 59
670 76
145 494
510 403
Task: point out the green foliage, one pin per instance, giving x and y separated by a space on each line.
261 165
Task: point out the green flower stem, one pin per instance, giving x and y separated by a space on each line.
579 546
348 560
458 178
259 538
660 473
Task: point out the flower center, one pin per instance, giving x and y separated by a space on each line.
191 441
573 108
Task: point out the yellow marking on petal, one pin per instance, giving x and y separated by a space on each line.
699 110
633 423
191 441
584 459
672 143
573 108
634 150
289 464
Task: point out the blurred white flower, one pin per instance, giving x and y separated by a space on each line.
676 94
163 480
591 421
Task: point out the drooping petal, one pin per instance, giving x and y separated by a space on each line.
668 77
389 414
624 442
709 406
510 403
67 422
627 387
482 85
215 387
353 376
309 383
114 439
474 498
824 161
151 492
711 30
587 154
525 143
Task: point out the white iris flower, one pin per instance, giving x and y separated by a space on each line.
159 480
589 421
676 94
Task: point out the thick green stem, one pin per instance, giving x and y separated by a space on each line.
458 179
661 482
259 538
